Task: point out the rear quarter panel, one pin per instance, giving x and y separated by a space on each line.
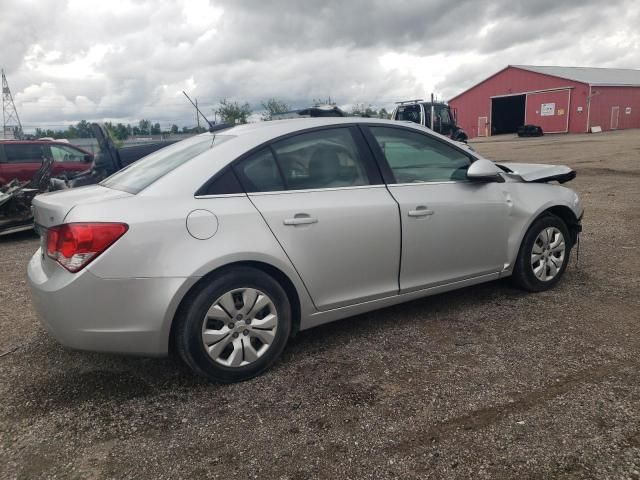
158 243
20 171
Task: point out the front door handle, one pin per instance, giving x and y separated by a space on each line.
420 211
300 219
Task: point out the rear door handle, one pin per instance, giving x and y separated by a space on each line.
420 211
300 219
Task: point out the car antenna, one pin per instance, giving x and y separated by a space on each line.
211 125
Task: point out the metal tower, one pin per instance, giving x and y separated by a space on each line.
11 126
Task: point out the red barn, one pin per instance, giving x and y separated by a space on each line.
559 99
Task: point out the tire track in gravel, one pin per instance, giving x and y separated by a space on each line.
483 417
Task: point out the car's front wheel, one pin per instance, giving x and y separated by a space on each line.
544 254
235 326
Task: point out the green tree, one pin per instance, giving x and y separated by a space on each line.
232 112
83 130
113 133
362 110
174 129
272 107
144 127
118 131
48 132
382 113
155 129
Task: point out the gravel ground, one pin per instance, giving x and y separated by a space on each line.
485 382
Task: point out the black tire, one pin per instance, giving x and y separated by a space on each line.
523 273
188 330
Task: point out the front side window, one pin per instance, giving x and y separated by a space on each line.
61 153
322 159
23 153
147 170
415 157
445 118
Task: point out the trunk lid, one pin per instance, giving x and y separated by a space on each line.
536 172
51 208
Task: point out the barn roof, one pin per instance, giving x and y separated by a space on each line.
589 75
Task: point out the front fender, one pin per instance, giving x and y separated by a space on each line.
529 201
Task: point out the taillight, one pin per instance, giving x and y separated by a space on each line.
74 245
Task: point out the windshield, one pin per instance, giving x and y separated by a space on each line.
144 172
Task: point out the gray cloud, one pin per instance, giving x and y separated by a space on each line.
126 60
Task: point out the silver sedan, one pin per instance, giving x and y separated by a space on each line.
224 245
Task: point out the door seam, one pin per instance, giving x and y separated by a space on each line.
401 234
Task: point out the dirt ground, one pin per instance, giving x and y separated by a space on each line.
485 382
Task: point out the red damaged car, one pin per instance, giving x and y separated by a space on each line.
21 159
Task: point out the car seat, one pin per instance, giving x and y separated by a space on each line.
324 169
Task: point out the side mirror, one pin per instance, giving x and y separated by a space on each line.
484 171
88 158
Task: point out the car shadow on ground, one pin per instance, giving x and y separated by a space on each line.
18 236
77 378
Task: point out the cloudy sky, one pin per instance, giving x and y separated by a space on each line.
124 60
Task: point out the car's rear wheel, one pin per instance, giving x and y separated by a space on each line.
544 254
235 326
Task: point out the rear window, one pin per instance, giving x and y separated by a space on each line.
139 175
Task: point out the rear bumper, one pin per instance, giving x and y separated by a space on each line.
86 312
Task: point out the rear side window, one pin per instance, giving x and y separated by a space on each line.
416 157
23 153
144 172
323 159
223 183
259 172
328 158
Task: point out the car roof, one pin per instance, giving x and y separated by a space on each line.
420 102
261 132
283 127
190 176
7 141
